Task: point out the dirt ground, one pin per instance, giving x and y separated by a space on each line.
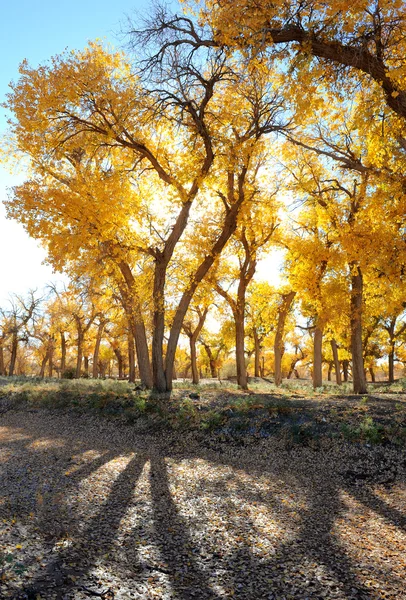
91 508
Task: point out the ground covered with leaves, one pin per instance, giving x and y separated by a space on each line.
188 503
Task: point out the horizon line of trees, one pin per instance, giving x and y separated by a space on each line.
74 332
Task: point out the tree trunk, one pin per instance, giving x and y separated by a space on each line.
79 355
131 357
337 370
358 373
193 337
293 370
158 370
240 348
141 347
13 357
133 310
2 367
63 353
391 362
212 361
330 370
51 357
102 369
279 347
193 360
96 352
257 354
345 364
43 365
86 365
372 373
317 358
120 362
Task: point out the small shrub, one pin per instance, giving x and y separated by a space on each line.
185 414
349 432
211 420
371 431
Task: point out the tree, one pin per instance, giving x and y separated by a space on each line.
18 316
262 312
94 122
256 228
193 326
345 43
284 306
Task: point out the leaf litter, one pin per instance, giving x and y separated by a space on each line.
90 508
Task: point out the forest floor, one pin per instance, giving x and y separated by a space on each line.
215 494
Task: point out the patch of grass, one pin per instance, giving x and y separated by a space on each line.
349 432
184 415
212 420
263 386
371 431
367 431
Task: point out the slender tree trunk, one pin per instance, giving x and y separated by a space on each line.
132 306
212 361
337 370
391 362
86 365
141 346
242 379
257 354
372 373
193 337
358 373
2 367
158 370
317 358
43 365
13 357
279 347
131 357
79 355
63 353
293 369
330 369
51 357
345 364
193 360
96 352
120 362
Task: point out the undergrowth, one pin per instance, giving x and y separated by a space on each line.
262 412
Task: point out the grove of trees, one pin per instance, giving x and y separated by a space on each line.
161 175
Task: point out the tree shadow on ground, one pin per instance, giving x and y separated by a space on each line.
311 563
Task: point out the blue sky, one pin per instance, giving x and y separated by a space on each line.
36 31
